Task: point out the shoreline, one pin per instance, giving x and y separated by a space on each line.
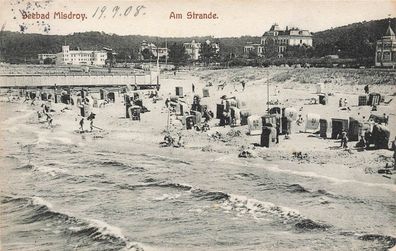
301 149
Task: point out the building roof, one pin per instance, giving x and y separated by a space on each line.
295 32
389 32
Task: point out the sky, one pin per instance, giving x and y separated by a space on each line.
154 17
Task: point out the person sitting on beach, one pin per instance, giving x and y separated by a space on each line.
39 116
300 120
386 119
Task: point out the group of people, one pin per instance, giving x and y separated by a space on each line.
343 102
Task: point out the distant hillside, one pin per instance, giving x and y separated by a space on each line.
17 47
351 41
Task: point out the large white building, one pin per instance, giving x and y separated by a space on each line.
44 56
79 57
193 48
153 49
284 38
257 49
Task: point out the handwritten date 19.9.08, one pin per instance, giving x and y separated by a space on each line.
116 11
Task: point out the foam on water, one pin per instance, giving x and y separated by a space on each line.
167 197
85 227
41 202
256 208
106 229
53 171
332 179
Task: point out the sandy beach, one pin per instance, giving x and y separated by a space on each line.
310 164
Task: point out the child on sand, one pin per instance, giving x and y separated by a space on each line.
344 140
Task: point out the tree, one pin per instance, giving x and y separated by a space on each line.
177 54
146 53
271 48
49 61
252 54
207 52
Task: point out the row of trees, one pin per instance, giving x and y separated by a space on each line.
351 41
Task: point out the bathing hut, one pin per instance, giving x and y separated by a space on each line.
179 91
85 110
312 122
362 100
275 110
319 88
355 129
205 92
219 111
189 122
374 99
323 99
380 136
197 117
254 125
268 136
235 116
337 126
111 96
103 94
134 112
244 116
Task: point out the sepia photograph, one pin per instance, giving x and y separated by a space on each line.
181 125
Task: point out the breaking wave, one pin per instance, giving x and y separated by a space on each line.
52 171
239 204
94 229
387 241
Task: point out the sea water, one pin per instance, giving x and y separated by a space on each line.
72 193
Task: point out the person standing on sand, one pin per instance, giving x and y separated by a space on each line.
386 119
243 85
91 125
193 88
49 120
340 103
366 89
393 148
82 124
